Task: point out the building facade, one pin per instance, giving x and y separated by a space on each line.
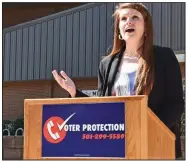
73 40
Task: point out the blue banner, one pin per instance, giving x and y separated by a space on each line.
83 130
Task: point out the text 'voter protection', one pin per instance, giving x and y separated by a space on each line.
95 127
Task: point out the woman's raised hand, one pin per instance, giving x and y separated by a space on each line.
65 82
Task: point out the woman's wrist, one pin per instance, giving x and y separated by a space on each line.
73 94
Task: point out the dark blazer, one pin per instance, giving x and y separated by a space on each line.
166 97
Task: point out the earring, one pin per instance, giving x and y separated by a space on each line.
120 37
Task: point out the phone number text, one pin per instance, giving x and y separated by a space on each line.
103 136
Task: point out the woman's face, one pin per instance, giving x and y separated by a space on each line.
131 24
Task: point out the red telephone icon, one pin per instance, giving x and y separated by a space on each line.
54 136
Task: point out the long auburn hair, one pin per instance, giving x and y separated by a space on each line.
145 74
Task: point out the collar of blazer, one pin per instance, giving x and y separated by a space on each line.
112 70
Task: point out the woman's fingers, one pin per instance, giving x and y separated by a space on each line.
58 78
65 82
64 75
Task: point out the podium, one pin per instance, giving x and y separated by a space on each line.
95 128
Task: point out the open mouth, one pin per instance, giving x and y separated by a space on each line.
130 30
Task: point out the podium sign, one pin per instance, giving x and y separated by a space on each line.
83 130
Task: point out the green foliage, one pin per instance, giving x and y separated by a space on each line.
13 125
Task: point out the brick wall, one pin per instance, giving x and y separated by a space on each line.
14 93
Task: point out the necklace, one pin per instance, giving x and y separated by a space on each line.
133 55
